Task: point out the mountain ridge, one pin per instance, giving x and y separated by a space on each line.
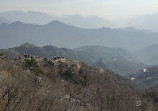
59 34
107 58
40 18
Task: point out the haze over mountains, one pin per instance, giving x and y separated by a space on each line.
61 35
86 22
33 29
41 18
27 17
149 55
2 20
78 55
148 22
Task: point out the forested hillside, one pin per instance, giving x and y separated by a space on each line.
46 85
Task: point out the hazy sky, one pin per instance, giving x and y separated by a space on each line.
110 9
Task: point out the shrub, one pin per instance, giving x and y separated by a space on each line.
5 57
80 71
45 59
68 74
151 95
60 72
84 81
37 70
1 54
30 63
48 63
60 66
51 63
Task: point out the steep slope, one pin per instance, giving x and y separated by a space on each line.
39 84
61 35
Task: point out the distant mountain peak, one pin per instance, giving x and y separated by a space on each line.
49 46
56 22
17 23
105 28
27 45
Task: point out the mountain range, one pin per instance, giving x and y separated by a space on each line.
62 35
90 76
27 17
147 22
116 60
40 18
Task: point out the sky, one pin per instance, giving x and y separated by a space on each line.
109 9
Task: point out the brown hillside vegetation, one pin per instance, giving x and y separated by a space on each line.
44 85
